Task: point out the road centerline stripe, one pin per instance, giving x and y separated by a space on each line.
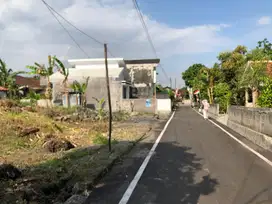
140 171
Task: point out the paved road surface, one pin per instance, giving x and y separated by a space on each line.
195 163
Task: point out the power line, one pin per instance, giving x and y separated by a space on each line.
136 6
82 32
94 39
65 28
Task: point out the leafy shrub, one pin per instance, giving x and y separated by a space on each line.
33 96
265 99
101 140
120 116
222 95
100 108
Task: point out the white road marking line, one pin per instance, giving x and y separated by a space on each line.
138 175
241 143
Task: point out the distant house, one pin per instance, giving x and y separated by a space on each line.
3 92
268 65
29 83
129 79
251 95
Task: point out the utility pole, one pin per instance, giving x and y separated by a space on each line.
109 96
170 82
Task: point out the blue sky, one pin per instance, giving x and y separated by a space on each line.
242 17
184 32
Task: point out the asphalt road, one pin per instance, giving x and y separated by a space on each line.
194 163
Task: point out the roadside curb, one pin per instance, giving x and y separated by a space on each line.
119 150
244 145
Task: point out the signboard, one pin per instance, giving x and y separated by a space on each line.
148 103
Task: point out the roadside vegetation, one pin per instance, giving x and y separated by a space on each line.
240 75
49 154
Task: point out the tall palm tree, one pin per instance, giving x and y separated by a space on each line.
81 89
8 78
43 71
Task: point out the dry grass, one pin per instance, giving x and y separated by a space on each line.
49 176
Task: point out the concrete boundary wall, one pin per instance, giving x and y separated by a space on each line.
253 123
163 106
214 111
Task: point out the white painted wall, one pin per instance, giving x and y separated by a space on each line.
96 66
164 105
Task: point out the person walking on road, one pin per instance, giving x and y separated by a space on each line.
206 107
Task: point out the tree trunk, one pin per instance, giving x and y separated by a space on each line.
255 95
209 95
246 97
211 92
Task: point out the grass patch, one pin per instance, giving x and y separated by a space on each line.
99 139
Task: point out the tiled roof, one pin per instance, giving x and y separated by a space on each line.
3 88
28 81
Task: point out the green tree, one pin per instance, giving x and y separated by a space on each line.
210 76
266 46
255 72
189 75
222 95
231 65
265 99
81 88
8 79
43 71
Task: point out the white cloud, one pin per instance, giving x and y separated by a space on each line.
28 32
265 20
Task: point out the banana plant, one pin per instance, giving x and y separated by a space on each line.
43 71
65 72
100 108
8 78
81 88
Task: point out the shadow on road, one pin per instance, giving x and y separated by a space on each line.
174 175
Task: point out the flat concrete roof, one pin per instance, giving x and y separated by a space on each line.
112 60
95 61
143 61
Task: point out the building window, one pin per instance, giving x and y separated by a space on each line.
124 92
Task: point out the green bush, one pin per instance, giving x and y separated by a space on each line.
101 140
33 96
222 96
265 99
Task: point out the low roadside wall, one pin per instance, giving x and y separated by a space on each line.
253 123
214 111
45 103
137 105
163 106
